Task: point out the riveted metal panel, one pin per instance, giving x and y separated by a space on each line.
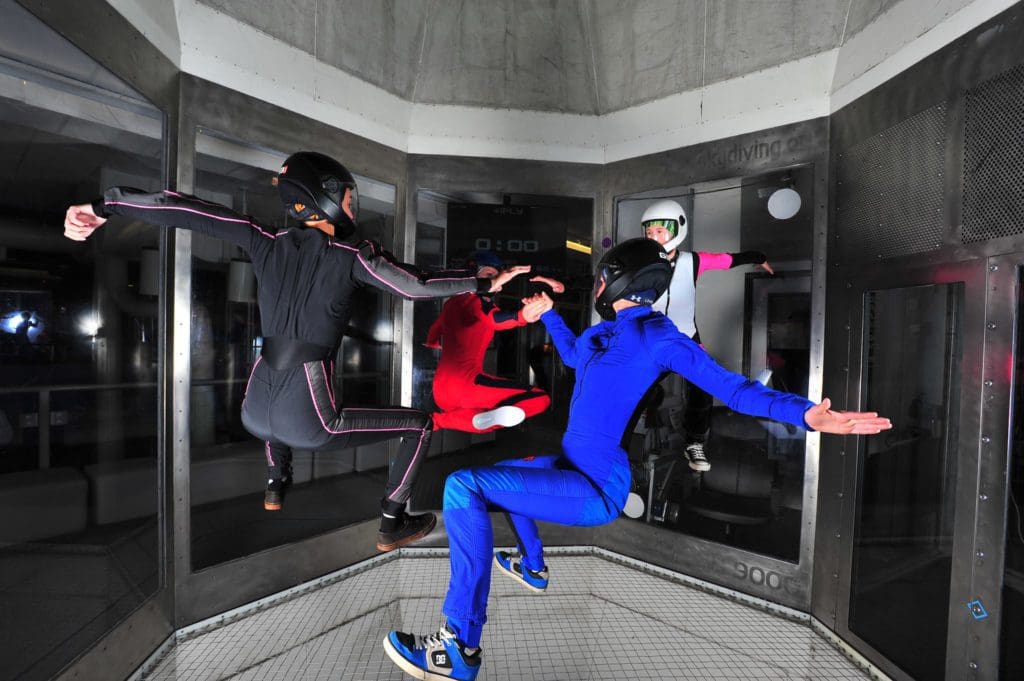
890 189
993 184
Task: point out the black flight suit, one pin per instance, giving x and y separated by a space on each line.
305 280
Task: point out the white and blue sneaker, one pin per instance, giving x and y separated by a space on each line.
434 657
512 565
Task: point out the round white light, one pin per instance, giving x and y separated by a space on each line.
783 204
89 324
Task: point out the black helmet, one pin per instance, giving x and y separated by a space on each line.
636 270
312 187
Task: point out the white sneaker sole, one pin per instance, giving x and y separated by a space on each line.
506 417
517 580
700 466
408 667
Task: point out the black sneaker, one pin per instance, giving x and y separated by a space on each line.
273 498
694 453
413 527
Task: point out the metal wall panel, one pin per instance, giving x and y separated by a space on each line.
993 186
891 189
976 80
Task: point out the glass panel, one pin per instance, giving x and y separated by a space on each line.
552 234
228 465
902 556
79 548
1011 643
751 323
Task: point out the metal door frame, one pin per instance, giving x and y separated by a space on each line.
972 274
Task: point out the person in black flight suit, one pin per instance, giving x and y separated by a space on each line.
305 280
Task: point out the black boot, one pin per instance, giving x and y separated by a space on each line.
273 498
398 528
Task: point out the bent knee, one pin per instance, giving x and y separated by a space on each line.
459 489
598 512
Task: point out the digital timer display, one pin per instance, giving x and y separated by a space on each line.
511 245
519 235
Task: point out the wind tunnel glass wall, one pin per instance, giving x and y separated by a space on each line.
1011 643
79 545
902 556
750 322
553 235
329 488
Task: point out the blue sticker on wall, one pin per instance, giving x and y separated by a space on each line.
977 610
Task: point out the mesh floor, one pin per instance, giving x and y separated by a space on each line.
600 619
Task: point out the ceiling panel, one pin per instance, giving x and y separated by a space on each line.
646 49
568 56
749 35
292 21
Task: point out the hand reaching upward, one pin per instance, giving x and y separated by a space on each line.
507 276
556 286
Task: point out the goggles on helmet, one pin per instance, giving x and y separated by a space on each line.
671 225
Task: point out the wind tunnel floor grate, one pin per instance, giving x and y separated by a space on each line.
603 617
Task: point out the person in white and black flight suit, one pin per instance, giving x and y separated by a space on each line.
665 222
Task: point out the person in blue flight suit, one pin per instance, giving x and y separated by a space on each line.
616 361
306 277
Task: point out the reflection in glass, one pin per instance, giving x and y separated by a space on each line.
228 465
902 557
1011 642
79 545
751 323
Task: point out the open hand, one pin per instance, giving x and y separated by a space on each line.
821 418
80 222
507 276
556 286
535 306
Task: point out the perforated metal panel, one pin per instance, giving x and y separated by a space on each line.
994 158
889 197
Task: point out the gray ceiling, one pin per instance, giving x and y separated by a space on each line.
568 56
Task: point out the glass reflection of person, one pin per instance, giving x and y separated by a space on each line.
587 483
306 278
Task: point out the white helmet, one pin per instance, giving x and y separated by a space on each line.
670 215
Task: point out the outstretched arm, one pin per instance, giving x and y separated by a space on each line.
499 319
723 261
677 353
541 307
167 209
376 267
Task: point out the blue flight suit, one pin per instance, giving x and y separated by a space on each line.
587 484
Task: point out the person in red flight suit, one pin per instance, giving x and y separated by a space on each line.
469 399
